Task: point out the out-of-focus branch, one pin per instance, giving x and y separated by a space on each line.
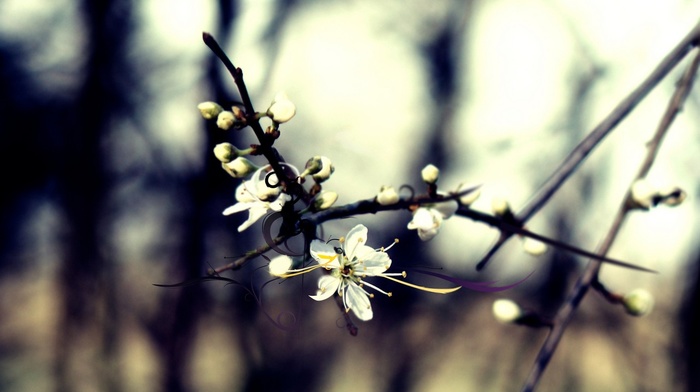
590 275
581 151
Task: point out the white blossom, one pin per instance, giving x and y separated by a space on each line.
427 219
257 198
349 266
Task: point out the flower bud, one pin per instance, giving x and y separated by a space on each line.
638 302
470 197
430 174
239 167
281 109
327 169
225 120
533 246
280 265
642 194
387 196
506 311
325 200
226 152
313 166
209 109
500 206
672 196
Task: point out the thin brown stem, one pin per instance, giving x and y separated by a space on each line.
590 275
240 262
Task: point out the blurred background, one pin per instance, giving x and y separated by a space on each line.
114 188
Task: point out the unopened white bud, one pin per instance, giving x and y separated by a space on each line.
470 197
430 174
280 265
325 200
387 196
506 310
209 109
281 109
225 152
225 120
500 206
533 246
327 169
638 302
672 196
643 194
239 167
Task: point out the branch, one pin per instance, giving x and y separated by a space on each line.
581 151
590 275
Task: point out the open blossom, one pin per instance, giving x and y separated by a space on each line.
257 198
427 219
348 267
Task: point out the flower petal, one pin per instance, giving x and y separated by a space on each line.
327 286
358 301
357 236
373 264
238 207
447 209
422 219
325 254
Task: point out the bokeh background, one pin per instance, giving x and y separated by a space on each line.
111 186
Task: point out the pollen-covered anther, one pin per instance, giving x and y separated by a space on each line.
389 294
404 274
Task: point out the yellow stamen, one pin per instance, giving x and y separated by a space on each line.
300 272
428 289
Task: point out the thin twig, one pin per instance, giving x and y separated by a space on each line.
584 148
590 275
240 262
265 141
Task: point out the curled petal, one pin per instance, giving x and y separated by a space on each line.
325 254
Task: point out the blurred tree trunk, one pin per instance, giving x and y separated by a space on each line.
88 325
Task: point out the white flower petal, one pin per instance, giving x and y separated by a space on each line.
238 207
324 254
357 300
423 219
356 236
447 209
327 286
374 264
